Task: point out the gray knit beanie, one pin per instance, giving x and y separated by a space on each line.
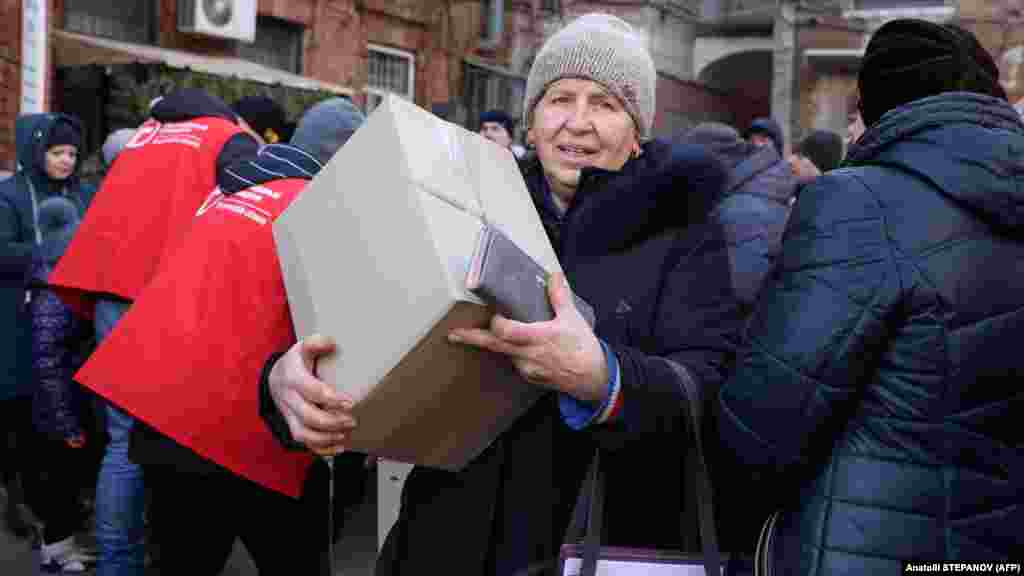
115 143
606 50
325 127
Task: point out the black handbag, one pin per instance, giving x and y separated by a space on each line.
593 559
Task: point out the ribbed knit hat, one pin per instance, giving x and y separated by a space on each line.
325 127
115 143
907 60
606 50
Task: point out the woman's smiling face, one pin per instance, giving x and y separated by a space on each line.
578 123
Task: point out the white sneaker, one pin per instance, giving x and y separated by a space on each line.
63 558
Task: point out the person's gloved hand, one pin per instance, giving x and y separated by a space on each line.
317 415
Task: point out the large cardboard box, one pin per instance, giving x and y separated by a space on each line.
375 253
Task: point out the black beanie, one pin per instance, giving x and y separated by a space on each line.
823 148
501 118
63 133
265 116
909 59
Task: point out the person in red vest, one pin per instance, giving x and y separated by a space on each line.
143 209
215 467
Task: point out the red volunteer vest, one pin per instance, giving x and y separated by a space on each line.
142 210
187 356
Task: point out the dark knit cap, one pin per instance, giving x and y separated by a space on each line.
909 59
265 116
721 140
63 134
823 148
710 134
767 127
501 118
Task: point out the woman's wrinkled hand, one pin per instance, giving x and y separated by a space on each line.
562 354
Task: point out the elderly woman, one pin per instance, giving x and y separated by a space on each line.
630 231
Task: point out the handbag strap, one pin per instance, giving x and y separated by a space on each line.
697 461
595 517
712 558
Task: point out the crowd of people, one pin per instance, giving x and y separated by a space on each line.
841 311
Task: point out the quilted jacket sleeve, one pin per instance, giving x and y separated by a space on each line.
816 332
54 407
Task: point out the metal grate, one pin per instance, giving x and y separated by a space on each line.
124 21
389 71
278 44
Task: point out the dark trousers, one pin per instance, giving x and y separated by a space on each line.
60 468
20 474
197 517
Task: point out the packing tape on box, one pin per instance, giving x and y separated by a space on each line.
450 134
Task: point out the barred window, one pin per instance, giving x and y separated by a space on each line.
488 90
125 21
278 44
550 5
389 71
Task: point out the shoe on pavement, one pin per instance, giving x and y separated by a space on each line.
85 550
63 558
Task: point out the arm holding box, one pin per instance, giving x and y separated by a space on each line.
301 410
562 354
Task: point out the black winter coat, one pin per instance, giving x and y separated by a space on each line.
18 242
638 246
878 400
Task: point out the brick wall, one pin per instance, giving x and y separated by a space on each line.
335 47
10 78
298 11
999 26
684 104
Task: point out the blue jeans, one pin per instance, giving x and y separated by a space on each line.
120 495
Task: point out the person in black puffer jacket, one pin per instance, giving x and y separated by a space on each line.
876 404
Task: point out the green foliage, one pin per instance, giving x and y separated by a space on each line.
161 79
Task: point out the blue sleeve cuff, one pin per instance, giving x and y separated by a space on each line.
578 414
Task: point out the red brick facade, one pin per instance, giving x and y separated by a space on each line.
440 34
10 77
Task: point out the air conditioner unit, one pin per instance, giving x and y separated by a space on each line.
234 19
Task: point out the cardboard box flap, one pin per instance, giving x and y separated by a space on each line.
362 281
518 220
454 236
375 253
446 169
